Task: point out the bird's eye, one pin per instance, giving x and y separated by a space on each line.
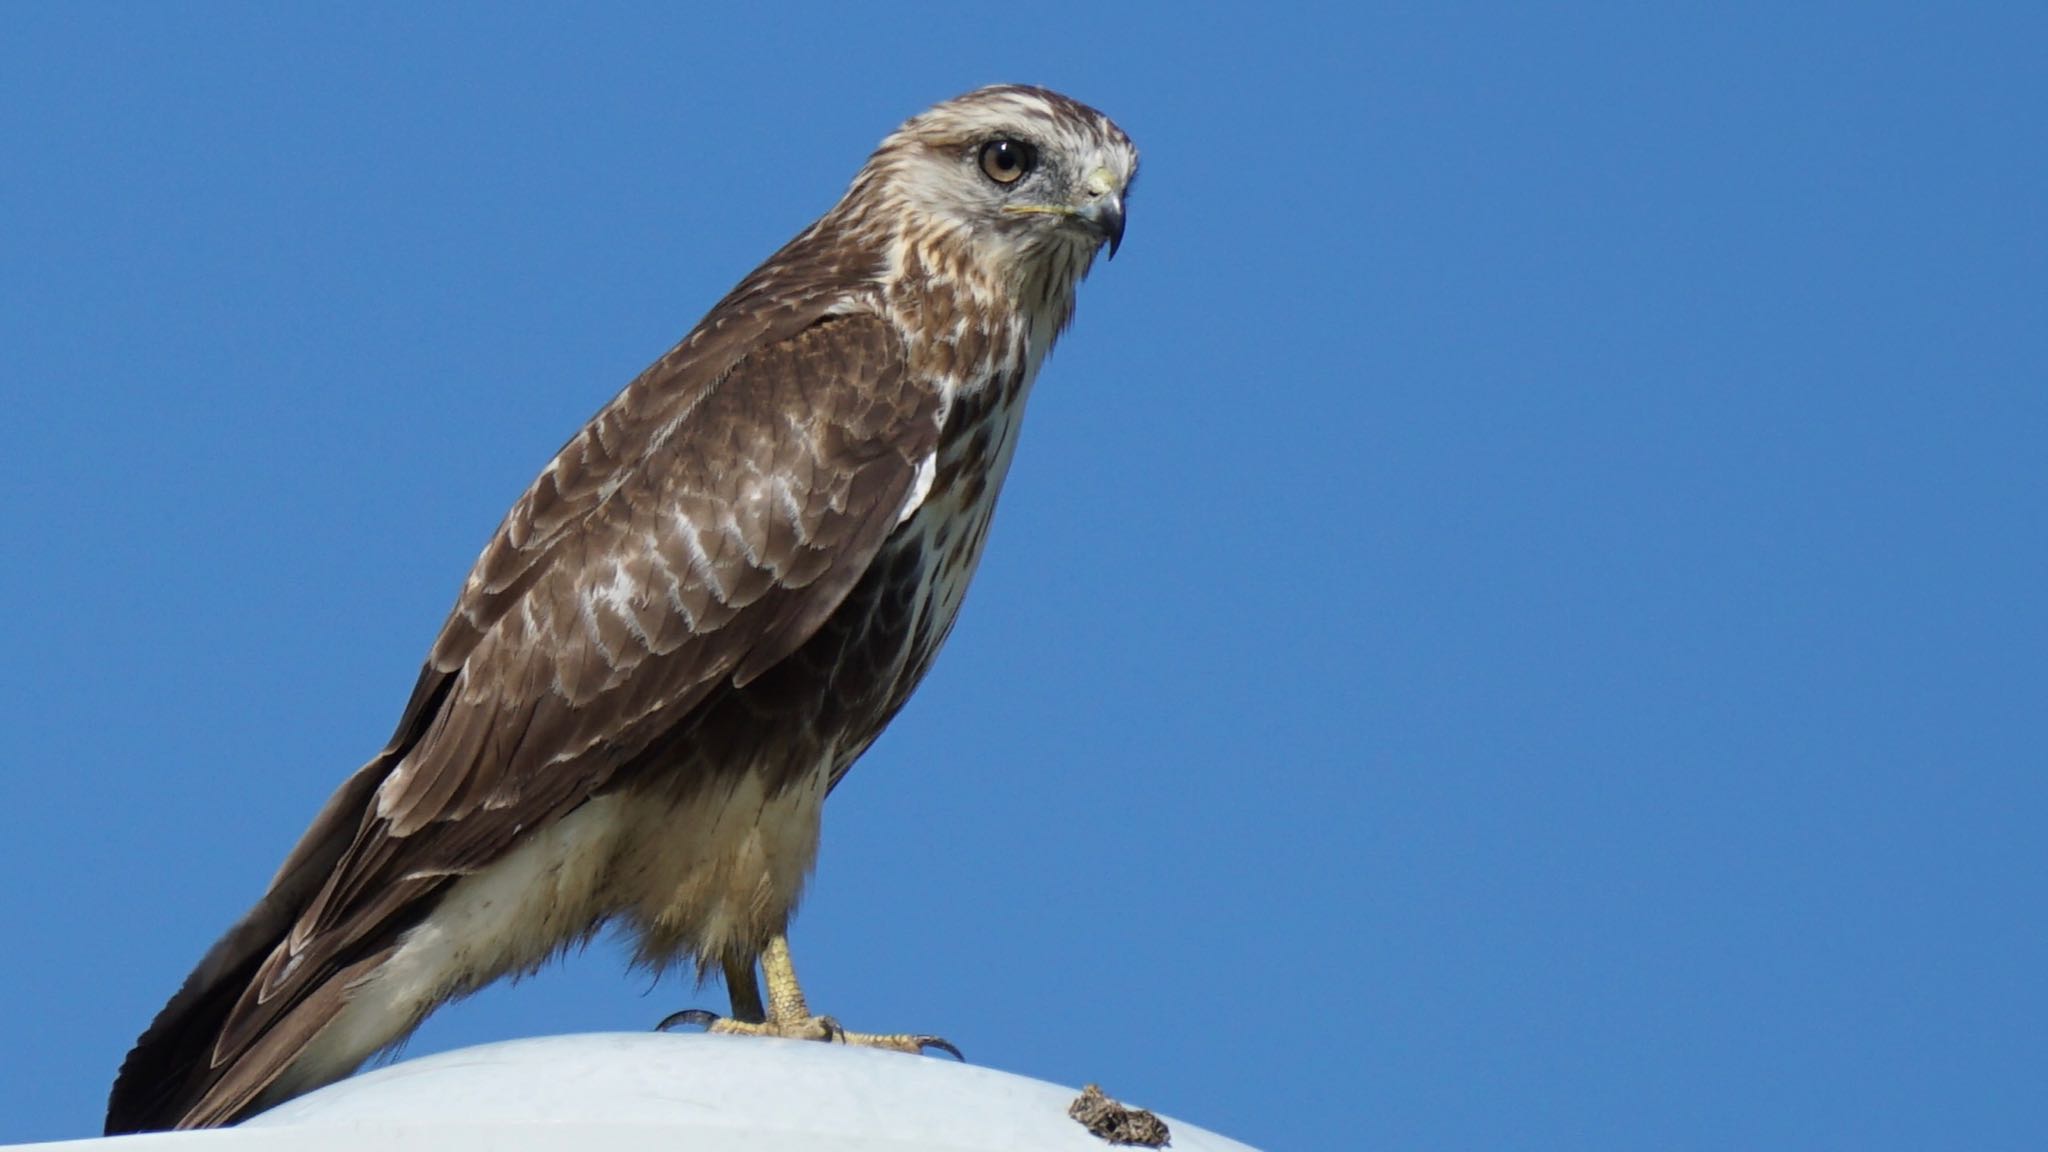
1007 161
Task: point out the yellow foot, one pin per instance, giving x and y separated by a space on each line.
811 1028
786 1014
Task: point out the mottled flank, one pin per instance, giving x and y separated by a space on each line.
686 630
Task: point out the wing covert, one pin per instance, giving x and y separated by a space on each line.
711 551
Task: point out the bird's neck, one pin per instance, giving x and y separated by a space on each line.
968 330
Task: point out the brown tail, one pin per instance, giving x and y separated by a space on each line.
171 1066
175 1065
173 1077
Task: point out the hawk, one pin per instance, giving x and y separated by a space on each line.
683 634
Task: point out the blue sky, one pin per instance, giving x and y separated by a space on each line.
1517 621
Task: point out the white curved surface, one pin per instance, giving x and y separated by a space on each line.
690 1091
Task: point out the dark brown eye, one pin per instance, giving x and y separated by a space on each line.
1007 161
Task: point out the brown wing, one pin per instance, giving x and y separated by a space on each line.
693 533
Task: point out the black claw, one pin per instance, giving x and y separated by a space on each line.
698 1016
941 1045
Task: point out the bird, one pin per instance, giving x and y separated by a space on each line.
683 634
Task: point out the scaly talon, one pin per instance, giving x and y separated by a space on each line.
787 1015
702 1017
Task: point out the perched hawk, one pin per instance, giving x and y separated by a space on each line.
683 634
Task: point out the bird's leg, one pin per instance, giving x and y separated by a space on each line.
786 1014
785 997
744 991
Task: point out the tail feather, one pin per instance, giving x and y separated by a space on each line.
171 1067
177 1064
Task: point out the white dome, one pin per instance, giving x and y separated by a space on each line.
691 1091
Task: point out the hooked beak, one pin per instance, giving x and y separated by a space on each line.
1105 214
1103 207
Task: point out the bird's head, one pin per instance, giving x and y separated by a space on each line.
1030 179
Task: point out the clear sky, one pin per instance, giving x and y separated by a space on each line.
1518 620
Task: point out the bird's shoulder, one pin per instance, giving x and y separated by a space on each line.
726 405
699 529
